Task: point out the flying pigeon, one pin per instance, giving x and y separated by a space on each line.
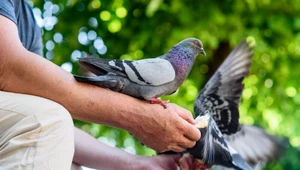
147 78
256 146
216 111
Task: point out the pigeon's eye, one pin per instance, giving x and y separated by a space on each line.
196 42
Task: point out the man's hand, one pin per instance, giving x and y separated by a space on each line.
166 162
166 129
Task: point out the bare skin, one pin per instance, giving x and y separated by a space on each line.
24 72
94 154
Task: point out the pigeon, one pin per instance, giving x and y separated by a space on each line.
147 78
256 146
216 111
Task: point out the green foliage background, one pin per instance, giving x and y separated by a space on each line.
142 29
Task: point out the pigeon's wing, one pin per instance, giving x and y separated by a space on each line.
255 145
221 94
227 80
224 112
156 71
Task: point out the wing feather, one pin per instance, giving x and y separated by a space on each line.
156 71
231 72
255 145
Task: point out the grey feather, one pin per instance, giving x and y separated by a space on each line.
256 146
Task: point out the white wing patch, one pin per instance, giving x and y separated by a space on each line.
154 71
112 63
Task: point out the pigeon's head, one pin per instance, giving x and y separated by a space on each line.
193 44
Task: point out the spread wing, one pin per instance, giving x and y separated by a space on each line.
221 94
156 71
255 145
227 80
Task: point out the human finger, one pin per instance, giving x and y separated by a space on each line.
186 115
187 143
191 132
177 148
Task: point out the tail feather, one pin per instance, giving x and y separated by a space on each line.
100 66
115 84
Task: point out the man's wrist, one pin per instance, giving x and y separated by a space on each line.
134 115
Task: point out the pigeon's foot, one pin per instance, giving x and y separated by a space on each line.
198 165
158 101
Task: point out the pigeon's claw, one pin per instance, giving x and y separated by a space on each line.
197 165
158 101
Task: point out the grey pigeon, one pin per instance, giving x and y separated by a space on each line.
216 111
147 78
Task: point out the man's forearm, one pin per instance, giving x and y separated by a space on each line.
94 154
31 74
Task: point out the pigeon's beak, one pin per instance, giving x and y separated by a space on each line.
202 51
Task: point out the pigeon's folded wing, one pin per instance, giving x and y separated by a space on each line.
153 72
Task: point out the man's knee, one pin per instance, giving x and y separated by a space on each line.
45 113
57 135
41 133
45 110
54 114
56 120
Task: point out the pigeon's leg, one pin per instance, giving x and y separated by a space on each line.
197 165
158 101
